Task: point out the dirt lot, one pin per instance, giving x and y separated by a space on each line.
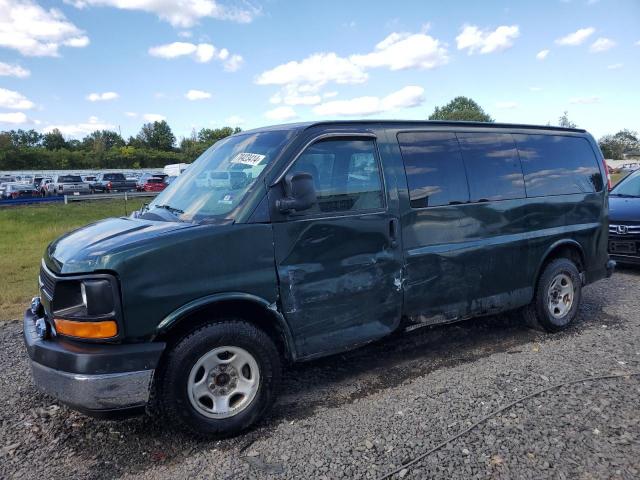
358 415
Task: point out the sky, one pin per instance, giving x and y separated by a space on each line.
85 65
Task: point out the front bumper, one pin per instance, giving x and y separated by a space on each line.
97 379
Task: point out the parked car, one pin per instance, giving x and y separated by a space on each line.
66 185
145 176
352 231
89 178
112 182
624 220
154 185
3 188
42 186
17 190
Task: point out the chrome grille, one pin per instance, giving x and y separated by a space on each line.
621 229
47 282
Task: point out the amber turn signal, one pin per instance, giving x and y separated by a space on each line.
71 328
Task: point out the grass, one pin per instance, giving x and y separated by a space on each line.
24 234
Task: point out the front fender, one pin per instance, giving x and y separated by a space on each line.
210 300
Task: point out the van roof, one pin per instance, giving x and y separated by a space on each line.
412 123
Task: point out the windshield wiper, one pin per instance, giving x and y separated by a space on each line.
624 195
175 211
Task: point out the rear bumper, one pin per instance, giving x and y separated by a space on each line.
95 379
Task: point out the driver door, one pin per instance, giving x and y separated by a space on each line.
339 262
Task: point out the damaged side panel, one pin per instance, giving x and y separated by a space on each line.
340 281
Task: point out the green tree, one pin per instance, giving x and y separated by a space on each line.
102 140
564 121
209 136
615 146
461 108
157 135
54 140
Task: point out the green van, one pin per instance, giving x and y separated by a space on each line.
318 238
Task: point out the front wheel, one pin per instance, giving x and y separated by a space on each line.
219 379
557 296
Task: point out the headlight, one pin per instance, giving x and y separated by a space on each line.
86 308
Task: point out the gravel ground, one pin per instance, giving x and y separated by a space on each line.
360 414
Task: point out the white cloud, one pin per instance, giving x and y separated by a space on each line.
13 117
233 63
153 117
407 97
535 89
542 54
602 45
185 34
576 38
329 94
475 40
81 129
400 51
34 31
14 100
637 44
102 97
300 82
8 70
314 72
234 120
281 114
584 100
183 13
507 105
197 95
615 66
201 52
131 114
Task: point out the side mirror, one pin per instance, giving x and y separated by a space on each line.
300 193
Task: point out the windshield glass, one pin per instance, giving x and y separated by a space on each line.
219 179
629 186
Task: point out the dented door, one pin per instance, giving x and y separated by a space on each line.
339 268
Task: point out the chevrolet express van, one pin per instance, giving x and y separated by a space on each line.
351 231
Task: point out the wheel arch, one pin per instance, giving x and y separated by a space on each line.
565 248
251 308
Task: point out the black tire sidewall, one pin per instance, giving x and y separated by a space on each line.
544 317
174 377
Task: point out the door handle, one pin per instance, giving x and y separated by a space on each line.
393 232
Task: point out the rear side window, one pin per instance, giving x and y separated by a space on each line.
492 165
434 168
346 175
557 165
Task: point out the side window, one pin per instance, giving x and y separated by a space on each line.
492 165
346 175
434 168
557 165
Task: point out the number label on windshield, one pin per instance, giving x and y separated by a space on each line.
247 158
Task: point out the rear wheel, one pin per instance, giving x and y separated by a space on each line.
557 296
219 379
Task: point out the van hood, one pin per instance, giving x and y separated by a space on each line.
95 246
624 209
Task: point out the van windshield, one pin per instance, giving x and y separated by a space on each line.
215 184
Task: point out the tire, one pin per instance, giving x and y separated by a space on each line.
195 360
557 297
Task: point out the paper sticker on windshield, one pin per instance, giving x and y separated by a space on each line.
226 200
247 158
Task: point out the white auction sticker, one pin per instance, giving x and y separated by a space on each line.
247 158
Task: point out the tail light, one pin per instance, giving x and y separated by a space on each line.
14 195
109 185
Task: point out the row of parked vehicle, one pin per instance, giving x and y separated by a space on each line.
13 187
